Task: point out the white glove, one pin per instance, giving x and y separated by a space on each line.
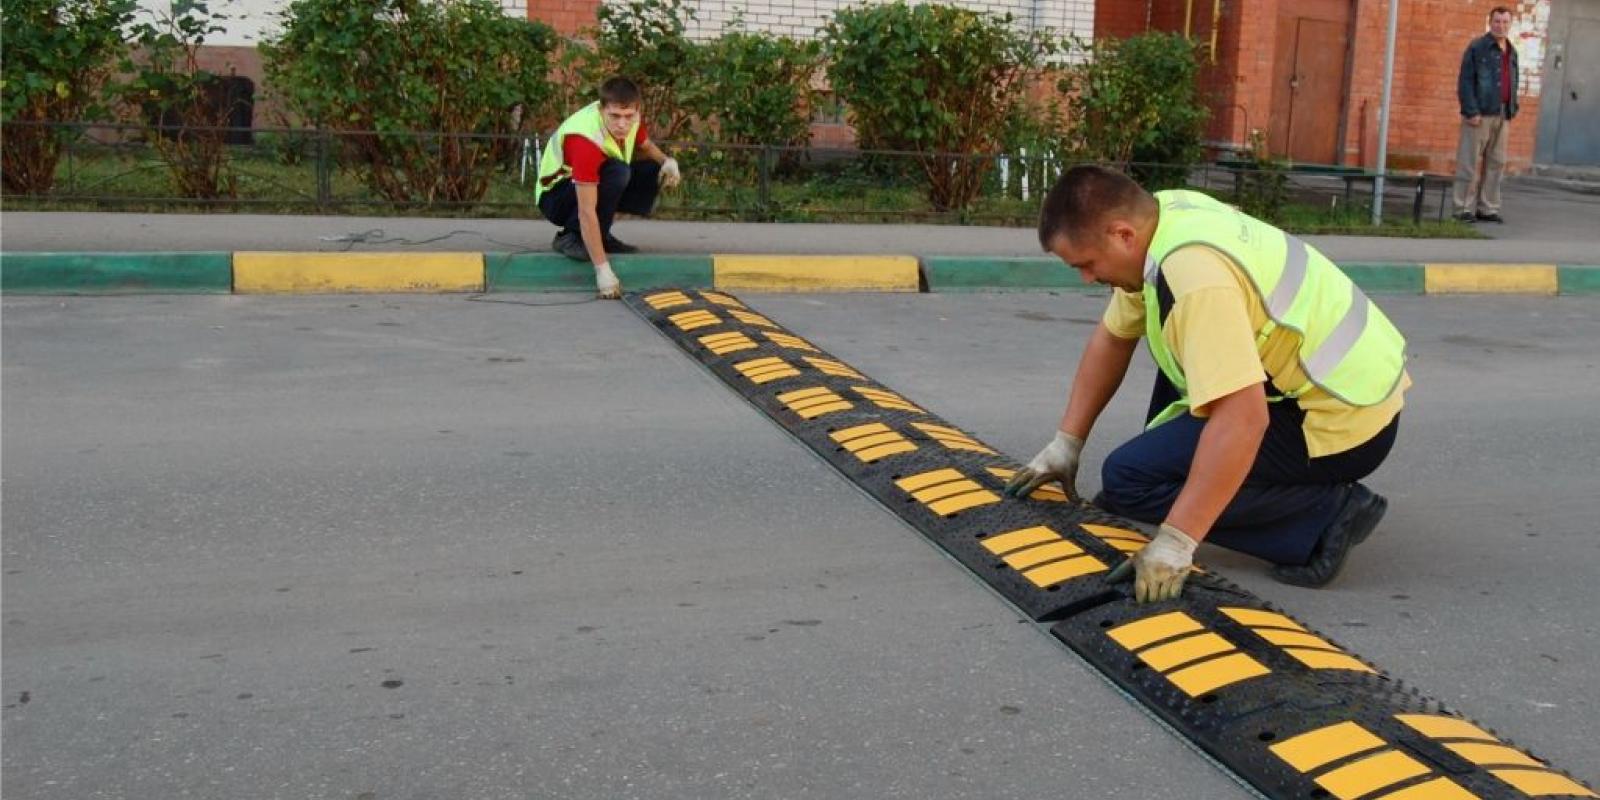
670 176
1159 570
605 282
1058 461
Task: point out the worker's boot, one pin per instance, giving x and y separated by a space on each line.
1357 518
570 245
616 246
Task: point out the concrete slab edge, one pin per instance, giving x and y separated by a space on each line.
427 272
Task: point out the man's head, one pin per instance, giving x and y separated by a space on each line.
1500 22
619 105
1100 223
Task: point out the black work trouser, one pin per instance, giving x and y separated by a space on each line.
629 188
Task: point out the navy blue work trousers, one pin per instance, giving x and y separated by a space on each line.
1286 503
629 188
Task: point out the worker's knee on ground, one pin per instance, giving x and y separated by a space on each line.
646 172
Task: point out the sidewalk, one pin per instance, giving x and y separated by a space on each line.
1547 225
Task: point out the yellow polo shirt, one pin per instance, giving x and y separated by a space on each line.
1211 333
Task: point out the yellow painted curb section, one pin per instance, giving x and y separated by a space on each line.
1489 279
338 273
816 273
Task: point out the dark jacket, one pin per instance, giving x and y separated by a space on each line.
1478 87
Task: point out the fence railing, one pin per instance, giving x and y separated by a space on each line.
303 169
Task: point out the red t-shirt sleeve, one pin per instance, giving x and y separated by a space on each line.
584 157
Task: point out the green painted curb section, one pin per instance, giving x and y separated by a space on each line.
116 273
963 274
549 272
1385 278
1578 279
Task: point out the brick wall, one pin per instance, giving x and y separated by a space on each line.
1120 19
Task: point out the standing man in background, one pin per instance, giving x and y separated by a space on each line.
1487 89
588 173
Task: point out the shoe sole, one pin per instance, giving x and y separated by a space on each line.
1360 527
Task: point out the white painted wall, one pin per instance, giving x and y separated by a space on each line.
802 19
250 21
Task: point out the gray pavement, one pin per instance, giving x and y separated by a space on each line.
1546 224
418 547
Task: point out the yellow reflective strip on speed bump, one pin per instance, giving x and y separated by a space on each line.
1254 618
1308 751
1294 639
1051 574
951 438
1121 538
723 343
662 300
1212 675
722 299
765 370
1043 554
1016 540
834 368
814 402
1436 789
946 491
1370 774
889 400
1542 783
1049 492
310 273
689 320
749 318
872 441
1163 657
791 342
1322 659
1150 630
1496 755
1434 726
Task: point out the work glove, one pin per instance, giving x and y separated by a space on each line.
606 283
1159 570
670 176
1058 461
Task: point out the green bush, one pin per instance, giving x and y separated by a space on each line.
756 89
165 85
935 79
1263 190
375 70
1136 101
646 40
58 55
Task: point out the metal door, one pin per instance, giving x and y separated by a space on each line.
1578 122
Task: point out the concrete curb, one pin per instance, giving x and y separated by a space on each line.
321 272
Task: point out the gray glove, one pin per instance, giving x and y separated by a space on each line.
1159 570
606 284
1058 461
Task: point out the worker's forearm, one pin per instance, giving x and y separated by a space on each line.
653 152
1227 449
589 225
1100 372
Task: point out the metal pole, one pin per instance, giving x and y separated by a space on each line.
1383 113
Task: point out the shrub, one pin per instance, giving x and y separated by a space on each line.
938 80
1136 101
376 71
756 89
58 55
646 40
166 86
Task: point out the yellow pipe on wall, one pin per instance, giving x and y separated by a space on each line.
1188 16
1216 25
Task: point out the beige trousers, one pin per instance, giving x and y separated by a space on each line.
1480 164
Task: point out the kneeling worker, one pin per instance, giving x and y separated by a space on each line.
1280 382
588 173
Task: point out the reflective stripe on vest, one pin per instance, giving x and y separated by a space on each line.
1348 347
589 123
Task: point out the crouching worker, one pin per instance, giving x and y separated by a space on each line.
588 173
1280 383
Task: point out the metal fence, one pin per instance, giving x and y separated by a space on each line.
125 166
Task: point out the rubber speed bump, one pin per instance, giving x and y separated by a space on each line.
1279 705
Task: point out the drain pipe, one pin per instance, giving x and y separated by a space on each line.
1383 115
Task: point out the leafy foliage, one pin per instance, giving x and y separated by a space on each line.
1263 190
647 40
167 85
377 71
757 89
934 79
1136 101
58 56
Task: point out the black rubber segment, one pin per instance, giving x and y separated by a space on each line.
1282 706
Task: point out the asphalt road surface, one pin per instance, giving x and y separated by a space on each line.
418 547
